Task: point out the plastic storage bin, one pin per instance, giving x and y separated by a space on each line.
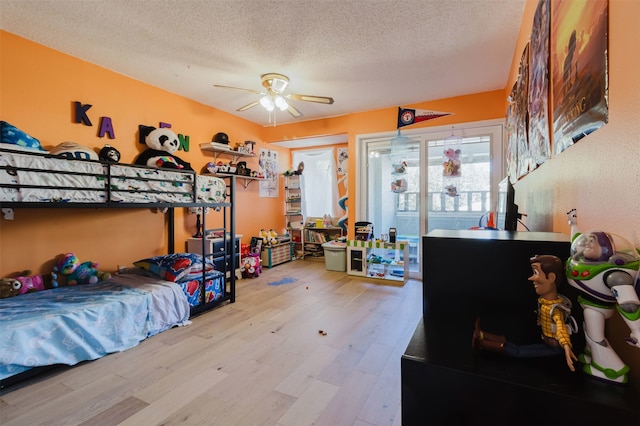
335 256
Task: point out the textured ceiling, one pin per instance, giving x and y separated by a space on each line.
366 54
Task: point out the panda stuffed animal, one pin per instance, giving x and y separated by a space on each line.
162 143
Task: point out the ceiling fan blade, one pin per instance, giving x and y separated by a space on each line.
311 98
257 92
248 106
294 112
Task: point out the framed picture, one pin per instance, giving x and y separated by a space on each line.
538 93
579 33
268 163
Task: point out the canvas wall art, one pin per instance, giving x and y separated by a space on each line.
538 103
579 34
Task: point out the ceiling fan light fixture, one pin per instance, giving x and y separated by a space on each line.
281 103
267 103
273 96
275 82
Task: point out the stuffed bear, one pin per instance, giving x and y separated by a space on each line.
162 143
76 272
24 283
9 287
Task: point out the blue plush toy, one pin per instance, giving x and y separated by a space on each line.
76 272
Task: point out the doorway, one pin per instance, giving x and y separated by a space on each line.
415 198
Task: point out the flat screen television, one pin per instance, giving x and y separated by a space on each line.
507 211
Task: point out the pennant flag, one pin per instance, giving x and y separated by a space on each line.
411 116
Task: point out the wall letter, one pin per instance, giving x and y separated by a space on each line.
184 142
106 126
143 131
81 113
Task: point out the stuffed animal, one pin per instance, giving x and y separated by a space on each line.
272 237
251 266
109 154
77 273
24 283
452 163
33 283
265 236
162 143
9 287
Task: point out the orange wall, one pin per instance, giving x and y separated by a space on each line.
37 88
37 97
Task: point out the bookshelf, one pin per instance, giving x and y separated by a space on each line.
314 236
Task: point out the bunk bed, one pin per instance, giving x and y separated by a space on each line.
71 324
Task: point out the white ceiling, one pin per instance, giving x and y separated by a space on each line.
366 54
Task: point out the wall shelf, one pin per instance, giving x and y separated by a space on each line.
228 152
246 180
235 155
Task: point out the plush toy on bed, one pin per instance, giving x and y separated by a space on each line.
9 287
24 283
162 143
77 273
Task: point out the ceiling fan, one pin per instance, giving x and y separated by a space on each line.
275 84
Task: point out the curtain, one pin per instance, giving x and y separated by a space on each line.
319 182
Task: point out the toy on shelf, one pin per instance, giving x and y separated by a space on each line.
604 267
291 172
554 318
269 238
77 273
364 231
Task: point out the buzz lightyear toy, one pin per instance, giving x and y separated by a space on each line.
604 267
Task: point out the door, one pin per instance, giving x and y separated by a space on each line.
414 198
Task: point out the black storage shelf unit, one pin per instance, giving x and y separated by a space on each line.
469 274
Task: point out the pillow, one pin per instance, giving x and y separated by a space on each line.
74 151
10 134
175 267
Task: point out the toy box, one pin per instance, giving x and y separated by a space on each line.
277 254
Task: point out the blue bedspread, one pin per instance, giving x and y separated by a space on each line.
72 324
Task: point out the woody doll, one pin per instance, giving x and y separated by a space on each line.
553 309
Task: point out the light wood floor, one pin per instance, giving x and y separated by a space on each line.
260 361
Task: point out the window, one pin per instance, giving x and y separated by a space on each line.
319 182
